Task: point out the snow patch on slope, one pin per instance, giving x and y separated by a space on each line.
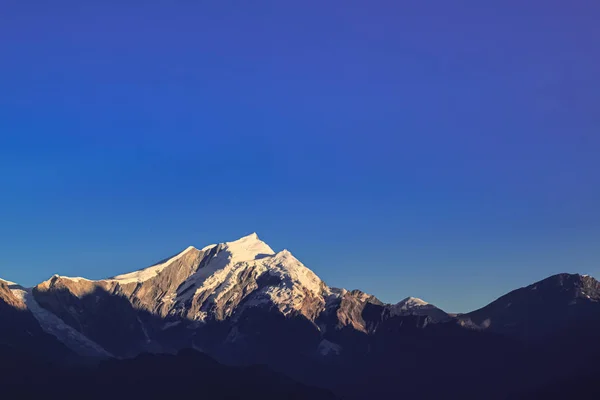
247 248
293 272
73 278
171 324
56 327
150 272
295 281
329 348
9 283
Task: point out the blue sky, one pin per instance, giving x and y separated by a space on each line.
444 150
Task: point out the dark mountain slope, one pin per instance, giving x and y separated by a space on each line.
20 332
542 310
189 374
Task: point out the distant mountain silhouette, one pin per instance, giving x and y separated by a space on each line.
541 310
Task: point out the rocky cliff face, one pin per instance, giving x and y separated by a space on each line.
8 298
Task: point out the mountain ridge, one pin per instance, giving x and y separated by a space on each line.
243 303
197 290
146 273
546 299
247 249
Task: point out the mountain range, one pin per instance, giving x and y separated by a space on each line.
242 304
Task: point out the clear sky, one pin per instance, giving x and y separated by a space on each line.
438 149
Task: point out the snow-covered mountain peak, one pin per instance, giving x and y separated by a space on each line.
285 255
248 269
411 302
251 237
247 248
221 264
416 306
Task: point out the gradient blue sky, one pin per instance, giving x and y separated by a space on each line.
445 150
